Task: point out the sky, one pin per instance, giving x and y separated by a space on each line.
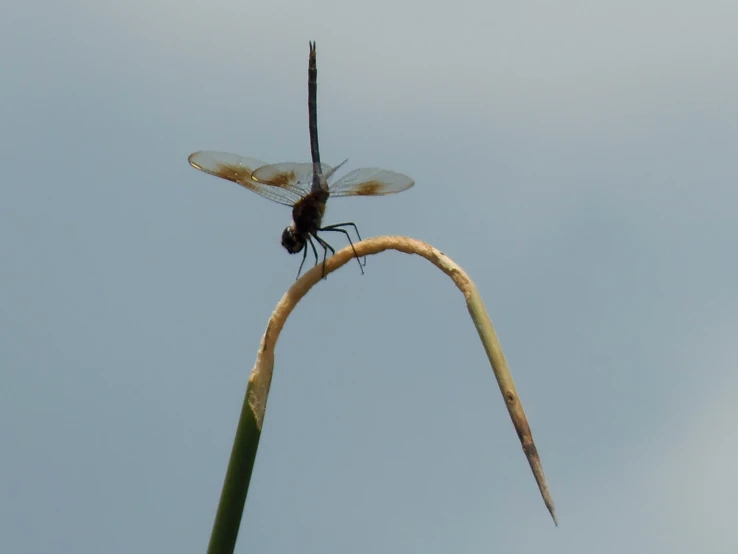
578 160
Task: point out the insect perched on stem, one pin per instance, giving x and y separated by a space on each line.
303 186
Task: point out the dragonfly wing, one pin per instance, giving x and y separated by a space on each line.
296 176
370 181
332 170
240 169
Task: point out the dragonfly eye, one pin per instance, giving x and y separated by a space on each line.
291 241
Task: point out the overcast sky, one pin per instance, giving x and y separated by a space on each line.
578 159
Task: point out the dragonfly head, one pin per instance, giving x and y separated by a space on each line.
292 241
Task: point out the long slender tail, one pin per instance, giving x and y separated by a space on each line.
313 117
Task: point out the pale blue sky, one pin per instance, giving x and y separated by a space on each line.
578 160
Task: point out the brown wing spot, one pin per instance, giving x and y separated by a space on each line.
282 179
370 188
233 173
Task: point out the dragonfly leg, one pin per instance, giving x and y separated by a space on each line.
315 252
326 247
338 229
304 255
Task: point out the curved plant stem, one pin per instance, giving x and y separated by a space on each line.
235 487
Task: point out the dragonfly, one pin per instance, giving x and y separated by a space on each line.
304 186
291 184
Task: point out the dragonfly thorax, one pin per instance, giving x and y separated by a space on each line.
307 215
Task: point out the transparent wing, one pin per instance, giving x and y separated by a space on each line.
370 181
298 176
239 170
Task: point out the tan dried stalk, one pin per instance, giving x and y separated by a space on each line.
233 497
